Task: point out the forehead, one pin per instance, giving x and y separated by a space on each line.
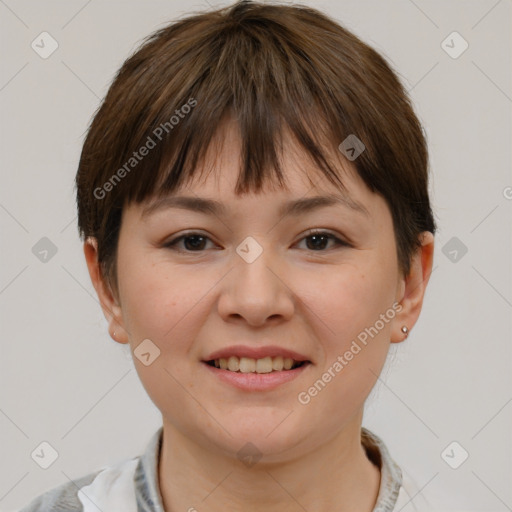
217 175
304 188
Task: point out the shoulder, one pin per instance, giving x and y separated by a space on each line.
399 491
62 497
410 498
109 486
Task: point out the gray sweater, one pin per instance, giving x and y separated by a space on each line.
132 485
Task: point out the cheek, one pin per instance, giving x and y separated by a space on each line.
347 299
166 307
358 304
160 301
354 342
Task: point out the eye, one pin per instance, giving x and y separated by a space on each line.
319 238
193 242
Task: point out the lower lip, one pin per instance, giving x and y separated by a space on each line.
257 381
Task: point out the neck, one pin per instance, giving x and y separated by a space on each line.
334 476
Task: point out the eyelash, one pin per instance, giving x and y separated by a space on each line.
312 232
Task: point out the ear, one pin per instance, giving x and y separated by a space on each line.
109 303
412 288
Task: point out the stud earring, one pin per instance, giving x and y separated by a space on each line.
405 331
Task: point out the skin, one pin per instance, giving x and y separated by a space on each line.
313 301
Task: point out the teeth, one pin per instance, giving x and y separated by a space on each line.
233 364
249 365
277 363
264 365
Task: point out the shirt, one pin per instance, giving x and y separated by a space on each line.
132 485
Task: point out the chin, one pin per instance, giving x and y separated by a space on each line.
260 434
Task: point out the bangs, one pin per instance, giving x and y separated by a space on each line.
246 73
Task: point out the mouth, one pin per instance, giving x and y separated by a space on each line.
256 375
249 368
262 365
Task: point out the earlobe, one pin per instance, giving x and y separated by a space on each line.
108 302
413 289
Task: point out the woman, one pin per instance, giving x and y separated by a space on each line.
253 200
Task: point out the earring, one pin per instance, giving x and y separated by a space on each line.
405 331
114 335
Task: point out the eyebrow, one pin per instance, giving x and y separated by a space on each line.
211 206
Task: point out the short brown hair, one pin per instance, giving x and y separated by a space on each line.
264 64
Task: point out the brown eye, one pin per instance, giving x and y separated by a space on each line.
317 241
192 242
320 239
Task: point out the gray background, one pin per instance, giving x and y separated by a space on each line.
64 381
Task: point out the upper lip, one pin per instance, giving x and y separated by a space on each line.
255 353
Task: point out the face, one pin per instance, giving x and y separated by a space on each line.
252 282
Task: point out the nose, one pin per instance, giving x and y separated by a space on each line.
256 292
